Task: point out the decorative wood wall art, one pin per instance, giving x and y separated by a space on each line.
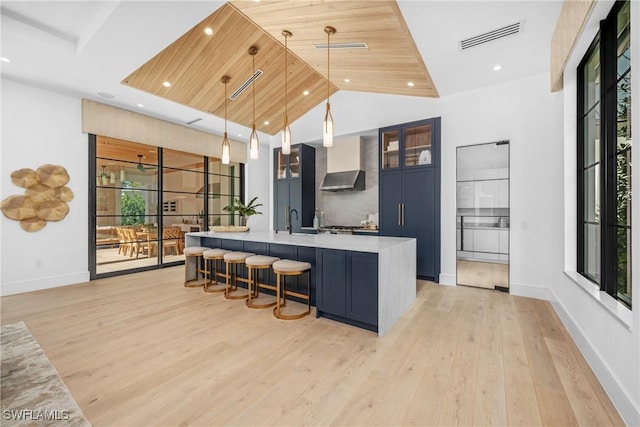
45 198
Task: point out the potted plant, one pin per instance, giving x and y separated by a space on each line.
245 211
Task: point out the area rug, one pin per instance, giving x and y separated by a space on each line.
31 392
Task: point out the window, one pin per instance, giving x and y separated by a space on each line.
604 157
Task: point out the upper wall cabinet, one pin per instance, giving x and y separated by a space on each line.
294 187
407 146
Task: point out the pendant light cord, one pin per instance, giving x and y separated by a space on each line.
286 77
225 108
328 63
253 85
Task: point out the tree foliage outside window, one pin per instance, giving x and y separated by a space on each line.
132 205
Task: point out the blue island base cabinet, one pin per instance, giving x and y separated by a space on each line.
348 287
364 281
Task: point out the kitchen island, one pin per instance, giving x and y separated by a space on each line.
365 281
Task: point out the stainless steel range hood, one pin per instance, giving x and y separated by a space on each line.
343 181
345 162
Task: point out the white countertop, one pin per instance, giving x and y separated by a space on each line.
373 244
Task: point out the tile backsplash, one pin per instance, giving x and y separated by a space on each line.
349 207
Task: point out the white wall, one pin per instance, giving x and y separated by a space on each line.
607 333
258 176
41 127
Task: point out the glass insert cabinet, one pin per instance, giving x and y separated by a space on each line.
288 165
406 146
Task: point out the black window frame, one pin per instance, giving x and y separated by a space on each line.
93 275
606 42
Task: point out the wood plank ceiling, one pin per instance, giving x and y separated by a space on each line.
196 62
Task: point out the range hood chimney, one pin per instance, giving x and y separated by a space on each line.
345 162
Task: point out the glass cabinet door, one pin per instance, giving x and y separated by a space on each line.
417 146
281 166
294 162
390 149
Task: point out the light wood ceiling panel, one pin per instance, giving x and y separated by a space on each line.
390 62
196 62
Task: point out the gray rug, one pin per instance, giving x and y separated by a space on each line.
31 392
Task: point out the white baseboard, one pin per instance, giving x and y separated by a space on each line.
529 291
447 279
13 288
618 395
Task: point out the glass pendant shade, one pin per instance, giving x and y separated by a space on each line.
226 149
123 176
327 130
254 144
112 178
286 138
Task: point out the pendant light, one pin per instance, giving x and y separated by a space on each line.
254 144
327 129
226 148
104 176
286 130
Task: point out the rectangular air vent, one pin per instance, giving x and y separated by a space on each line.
194 121
354 45
245 85
490 36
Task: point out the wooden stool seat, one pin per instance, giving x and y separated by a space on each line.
234 259
287 267
254 265
214 255
194 254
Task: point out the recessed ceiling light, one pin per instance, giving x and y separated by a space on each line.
166 84
239 135
266 122
140 105
347 81
305 93
5 60
106 95
497 67
208 31
411 84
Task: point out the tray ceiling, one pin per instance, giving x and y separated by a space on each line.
196 62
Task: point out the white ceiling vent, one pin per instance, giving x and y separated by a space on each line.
353 45
499 33
245 85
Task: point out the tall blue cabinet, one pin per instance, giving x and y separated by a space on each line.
294 186
409 189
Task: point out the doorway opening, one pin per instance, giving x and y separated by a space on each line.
482 215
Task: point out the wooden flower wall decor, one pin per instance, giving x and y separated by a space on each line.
45 197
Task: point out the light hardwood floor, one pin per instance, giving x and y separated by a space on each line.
143 350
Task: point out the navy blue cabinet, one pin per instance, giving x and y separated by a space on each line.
294 187
348 287
409 185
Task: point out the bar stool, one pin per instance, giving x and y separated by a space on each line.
254 265
287 267
213 256
193 254
234 259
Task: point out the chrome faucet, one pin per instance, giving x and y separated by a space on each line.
289 225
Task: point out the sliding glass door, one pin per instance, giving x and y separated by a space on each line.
144 198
